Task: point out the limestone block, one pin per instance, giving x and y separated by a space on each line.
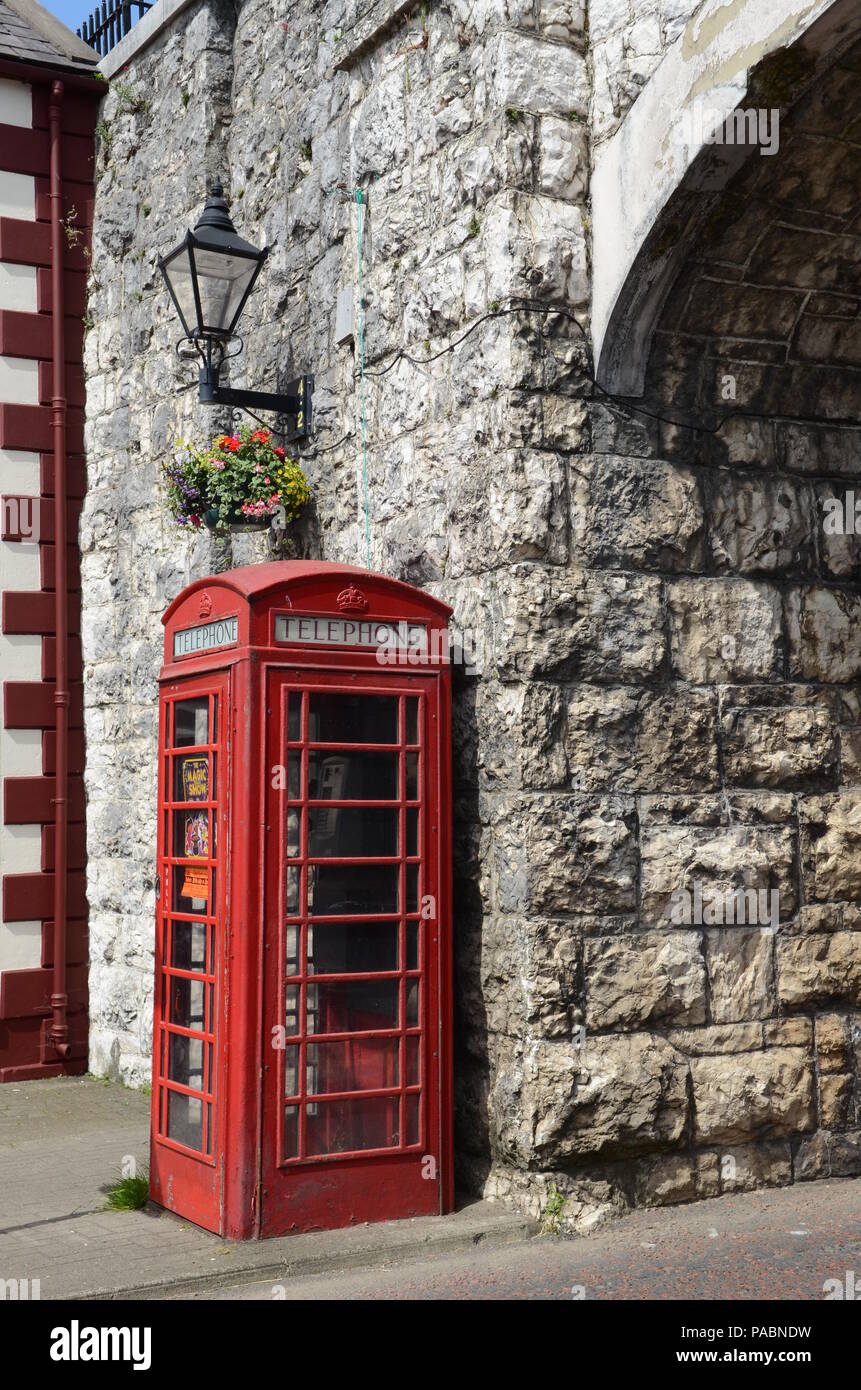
788 1032
644 979
605 16
562 19
564 854
837 1101
637 513
723 630
841 549
763 1095
636 740
832 1044
760 525
378 133
820 449
741 974
564 158
718 861
529 74
535 247
520 735
530 972
850 757
744 1167
579 625
831 847
824 632
618 1096
770 747
820 969
672 1178
717 1039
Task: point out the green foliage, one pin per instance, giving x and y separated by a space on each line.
512 115
305 151
104 135
130 99
474 227
186 98
73 233
554 1207
129 1194
238 478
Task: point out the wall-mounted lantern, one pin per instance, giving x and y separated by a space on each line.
210 276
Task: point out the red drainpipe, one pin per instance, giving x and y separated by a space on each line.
59 1030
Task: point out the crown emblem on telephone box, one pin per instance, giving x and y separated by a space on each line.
352 600
205 606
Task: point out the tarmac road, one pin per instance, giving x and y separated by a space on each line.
779 1244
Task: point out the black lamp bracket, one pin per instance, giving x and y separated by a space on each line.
295 403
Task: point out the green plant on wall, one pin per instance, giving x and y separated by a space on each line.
130 100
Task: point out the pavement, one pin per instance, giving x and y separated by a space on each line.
63 1142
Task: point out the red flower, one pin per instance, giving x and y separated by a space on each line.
280 453
195 519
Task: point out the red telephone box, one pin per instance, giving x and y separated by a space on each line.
302 1035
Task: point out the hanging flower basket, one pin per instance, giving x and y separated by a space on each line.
241 480
234 520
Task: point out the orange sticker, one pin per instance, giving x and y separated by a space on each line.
196 884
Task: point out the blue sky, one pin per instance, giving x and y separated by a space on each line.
72 12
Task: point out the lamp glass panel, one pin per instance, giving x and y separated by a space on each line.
178 270
223 280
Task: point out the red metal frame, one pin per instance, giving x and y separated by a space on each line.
172 1162
402 1186
248 1184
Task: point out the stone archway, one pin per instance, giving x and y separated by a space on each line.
672 172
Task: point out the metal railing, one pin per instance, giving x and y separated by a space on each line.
110 22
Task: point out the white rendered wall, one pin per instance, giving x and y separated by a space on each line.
16 102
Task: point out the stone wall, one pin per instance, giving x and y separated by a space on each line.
637 726
627 40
